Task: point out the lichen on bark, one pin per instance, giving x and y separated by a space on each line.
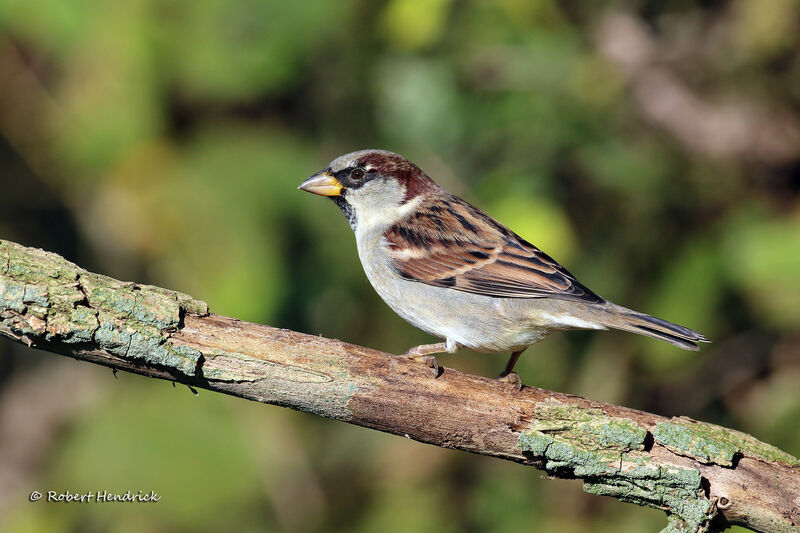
709 444
608 454
45 298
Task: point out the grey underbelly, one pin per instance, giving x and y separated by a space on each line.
478 322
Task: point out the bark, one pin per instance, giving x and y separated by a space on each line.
704 476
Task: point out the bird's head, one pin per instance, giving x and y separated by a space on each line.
371 187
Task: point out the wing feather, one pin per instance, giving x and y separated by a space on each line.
450 243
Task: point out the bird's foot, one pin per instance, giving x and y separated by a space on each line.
422 354
427 360
511 377
508 375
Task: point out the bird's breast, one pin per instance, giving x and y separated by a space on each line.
479 322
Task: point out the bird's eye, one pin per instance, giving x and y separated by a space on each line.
357 174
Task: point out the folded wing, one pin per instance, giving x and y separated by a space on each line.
450 243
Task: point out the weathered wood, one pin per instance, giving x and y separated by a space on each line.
703 476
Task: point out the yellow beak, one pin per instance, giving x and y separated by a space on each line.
322 183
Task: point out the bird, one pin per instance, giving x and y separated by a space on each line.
451 270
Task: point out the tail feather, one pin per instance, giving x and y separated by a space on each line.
680 336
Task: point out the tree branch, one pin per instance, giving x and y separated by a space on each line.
703 476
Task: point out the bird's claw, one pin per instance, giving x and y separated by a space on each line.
511 377
428 360
431 362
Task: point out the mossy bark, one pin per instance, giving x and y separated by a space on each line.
703 476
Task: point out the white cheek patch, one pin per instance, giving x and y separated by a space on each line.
379 204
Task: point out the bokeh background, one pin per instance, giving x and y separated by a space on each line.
651 147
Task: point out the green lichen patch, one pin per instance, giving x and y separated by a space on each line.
33 265
563 456
36 295
134 319
676 490
12 295
152 349
713 444
42 295
607 453
185 302
72 325
25 306
129 300
3 257
190 305
590 427
585 441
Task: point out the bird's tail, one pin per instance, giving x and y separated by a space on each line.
629 320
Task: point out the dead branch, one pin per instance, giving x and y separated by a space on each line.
703 476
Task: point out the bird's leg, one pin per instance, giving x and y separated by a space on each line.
508 375
422 353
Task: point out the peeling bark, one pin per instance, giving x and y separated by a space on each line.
703 476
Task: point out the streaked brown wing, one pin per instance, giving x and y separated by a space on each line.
450 243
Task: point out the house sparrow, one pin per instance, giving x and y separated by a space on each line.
453 271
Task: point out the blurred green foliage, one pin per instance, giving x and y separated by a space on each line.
163 141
